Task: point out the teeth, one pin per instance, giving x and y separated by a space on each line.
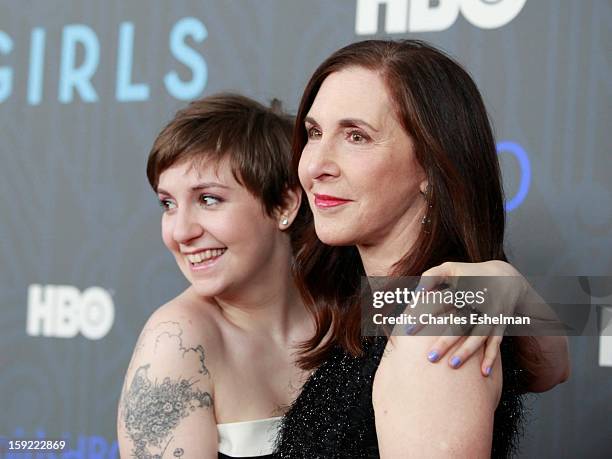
206 255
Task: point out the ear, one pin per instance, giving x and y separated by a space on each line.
285 214
424 187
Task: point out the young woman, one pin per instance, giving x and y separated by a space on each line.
214 368
397 158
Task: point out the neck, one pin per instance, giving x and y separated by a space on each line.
379 258
270 305
275 312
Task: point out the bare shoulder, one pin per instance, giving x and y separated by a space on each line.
438 410
408 355
169 386
181 322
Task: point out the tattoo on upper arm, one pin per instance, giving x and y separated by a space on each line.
178 334
151 410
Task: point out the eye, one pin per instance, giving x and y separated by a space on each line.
167 204
357 137
313 132
208 200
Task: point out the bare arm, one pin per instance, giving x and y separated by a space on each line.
546 358
425 410
166 405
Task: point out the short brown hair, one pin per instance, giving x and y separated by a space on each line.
255 138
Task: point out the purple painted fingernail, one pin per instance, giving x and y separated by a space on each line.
455 362
488 371
433 356
410 329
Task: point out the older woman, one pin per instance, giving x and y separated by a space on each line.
397 157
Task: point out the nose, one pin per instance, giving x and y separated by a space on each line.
186 227
320 162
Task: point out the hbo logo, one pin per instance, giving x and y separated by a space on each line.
421 16
62 311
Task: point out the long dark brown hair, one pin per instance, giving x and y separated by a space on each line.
441 109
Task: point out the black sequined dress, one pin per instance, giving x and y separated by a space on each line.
333 417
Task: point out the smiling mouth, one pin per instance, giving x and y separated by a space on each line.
323 201
200 258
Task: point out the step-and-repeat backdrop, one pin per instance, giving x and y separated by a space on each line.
85 86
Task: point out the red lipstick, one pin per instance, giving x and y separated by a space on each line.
325 201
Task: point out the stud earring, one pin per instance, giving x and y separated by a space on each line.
284 221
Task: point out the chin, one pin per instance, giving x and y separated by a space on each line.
206 289
334 236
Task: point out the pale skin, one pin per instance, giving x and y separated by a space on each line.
207 356
358 152
553 367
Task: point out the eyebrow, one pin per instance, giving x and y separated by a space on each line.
199 186
345 122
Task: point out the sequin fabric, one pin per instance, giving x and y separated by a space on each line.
510 412
333 417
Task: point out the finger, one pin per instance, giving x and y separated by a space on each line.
481 335
410 329
443 269
435 276
492 349
491 353
466 350
428 282
432 303
448 336
441 347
